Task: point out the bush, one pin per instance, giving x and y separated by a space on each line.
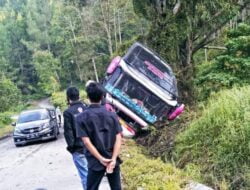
231 68
10 94
47 68
5 119
219 139
59 98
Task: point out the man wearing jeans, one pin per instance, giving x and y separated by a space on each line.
101 134
74 144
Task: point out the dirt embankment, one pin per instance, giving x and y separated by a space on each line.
161 140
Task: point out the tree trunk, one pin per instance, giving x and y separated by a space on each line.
119 28
95 70
115 30
72 29
107 28
79 70
21 64
185 76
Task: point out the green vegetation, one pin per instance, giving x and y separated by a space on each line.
5 120
59 98
10 94
229 69
219 139
47 46
47 68
139 170
10 98
179 29
212 137
5 130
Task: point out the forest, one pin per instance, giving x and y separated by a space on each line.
49 45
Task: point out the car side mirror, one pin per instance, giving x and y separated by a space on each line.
13 124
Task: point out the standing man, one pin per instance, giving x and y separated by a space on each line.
74 144
101 134
59 116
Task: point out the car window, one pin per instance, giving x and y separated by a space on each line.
32 116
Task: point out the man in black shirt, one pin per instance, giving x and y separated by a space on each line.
74 144
101 134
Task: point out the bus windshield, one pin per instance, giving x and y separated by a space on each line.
152 67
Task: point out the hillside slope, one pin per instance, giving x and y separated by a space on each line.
219 140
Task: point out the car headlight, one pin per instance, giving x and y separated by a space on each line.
45 126
17 130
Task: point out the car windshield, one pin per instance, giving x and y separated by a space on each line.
152 67
136 97
32 116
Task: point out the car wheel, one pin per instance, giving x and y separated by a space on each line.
18 145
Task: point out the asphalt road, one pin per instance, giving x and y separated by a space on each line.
39 166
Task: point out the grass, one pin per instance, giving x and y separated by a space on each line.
218 141
141 171
5 120
4 130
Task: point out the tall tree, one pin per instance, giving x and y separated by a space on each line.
15 58
81 35
47 68
38 19
181 27
9 94
95 31
230 68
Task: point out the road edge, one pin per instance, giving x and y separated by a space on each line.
5 136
